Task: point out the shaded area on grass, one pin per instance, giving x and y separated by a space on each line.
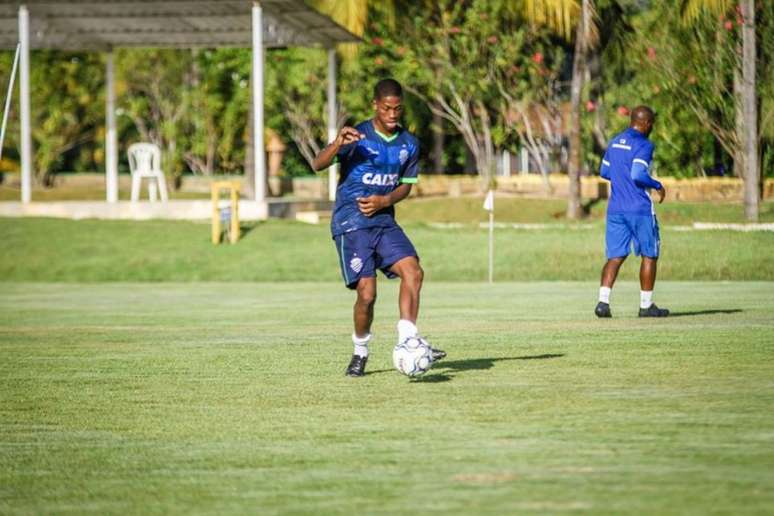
468 365
705 312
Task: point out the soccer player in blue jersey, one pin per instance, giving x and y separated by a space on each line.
631 217
379 163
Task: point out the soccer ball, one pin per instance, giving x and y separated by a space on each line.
413 356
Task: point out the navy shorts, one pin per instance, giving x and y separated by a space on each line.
363 251
625 229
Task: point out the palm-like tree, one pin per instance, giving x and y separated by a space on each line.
585 38
747 103
353 16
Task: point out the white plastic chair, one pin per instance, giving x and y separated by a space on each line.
145 162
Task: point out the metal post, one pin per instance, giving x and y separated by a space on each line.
111 137
258 151
8 97
24 100
524 161
506 163
333 170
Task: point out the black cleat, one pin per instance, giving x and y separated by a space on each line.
438 354
653 311
603 310
356 366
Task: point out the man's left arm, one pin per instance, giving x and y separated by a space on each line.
640 172
604 168
370 205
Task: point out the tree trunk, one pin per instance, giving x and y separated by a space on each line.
438 140
738 123
750 112
578 70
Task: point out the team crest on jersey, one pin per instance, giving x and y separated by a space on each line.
403 156
356 264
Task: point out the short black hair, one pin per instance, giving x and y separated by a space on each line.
387 88
643 114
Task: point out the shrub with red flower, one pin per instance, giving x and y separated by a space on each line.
590 106
623 110
537 57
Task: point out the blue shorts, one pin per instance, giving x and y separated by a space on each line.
625 229
363 251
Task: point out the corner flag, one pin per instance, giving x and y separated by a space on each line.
489 201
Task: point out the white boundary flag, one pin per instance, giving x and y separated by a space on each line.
489 201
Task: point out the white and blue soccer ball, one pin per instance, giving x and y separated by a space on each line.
413 356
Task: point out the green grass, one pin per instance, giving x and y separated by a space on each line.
93 251
516 209
220 398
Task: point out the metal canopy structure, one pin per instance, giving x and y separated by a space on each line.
81 25
92 25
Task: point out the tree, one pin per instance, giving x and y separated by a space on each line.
157 98
746 138
217 118
460 58
67 111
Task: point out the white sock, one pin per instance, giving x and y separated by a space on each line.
361 344
604 294
406 329
646 298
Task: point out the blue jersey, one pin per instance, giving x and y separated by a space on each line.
626 165
375 165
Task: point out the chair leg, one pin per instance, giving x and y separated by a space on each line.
136 187
152 190
162 187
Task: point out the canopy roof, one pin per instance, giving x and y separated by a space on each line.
102 25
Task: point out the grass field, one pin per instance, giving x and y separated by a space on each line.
230 398
95 251
519 209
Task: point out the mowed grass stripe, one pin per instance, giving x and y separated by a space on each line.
230 397
52 250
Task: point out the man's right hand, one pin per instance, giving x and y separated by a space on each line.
326 156
661 194
348 135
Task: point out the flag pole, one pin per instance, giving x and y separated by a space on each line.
491 246
489 206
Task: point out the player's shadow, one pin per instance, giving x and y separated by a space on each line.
487 363
706 312
445 371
